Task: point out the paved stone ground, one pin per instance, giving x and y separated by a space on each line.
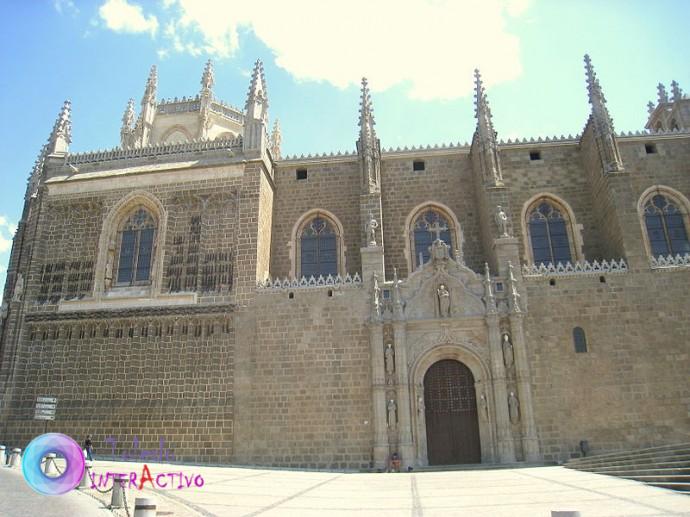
527 492
17 499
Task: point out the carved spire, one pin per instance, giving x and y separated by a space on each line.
677 93
127 129
276 140
661 92
603 124
650 107
61 135
514 294
207 78
486 135
151 87
256 112
257 96
368 145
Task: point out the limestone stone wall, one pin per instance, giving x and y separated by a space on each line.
309 404
330 185
631 387
446 179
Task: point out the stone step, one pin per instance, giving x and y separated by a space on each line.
644 450
674 461
659 479
481 466
680 455
679 487
682 448
678 471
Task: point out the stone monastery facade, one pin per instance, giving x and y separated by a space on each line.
492 302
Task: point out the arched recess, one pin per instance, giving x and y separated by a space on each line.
177 134
470 357
295 240
411 253
108 245
672 195
574 230
227 135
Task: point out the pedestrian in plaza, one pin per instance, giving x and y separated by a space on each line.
88 447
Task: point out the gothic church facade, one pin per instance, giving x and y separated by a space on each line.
493 302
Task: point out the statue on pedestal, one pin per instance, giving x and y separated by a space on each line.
392 408
443 296
513 408
508 356
371 227
389 355
502 221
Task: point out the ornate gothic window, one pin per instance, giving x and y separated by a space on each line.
548 232
136 239
665 223
318 248
427 226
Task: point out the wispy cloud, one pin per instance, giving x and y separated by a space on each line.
431 46
7 230
66 7
121 16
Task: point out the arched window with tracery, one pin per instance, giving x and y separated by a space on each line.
428 225
136 240
319 243
549 233
665 221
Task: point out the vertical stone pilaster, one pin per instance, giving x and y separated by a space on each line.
530 442
506 447
403 391
378 381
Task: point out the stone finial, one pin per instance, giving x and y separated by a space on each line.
489 298
207 78
514 294
650 107
61 135
151 87
676 92
257 96
661 93
366 114
128 116
276 140
486 133
603 124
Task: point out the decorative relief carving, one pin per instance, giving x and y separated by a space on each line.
513 408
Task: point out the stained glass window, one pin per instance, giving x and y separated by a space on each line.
548 231
426 226
665 227
136 248
319 248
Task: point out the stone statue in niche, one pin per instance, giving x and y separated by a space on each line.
18 288
371 227
109 264
389 354
484 406
392 408
513 408
508 356
420 404
443 296
502 221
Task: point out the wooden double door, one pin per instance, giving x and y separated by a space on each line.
452 427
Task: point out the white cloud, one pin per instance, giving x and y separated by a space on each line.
7 230
121 16
430 45
66 6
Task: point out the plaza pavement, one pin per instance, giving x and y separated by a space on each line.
524 492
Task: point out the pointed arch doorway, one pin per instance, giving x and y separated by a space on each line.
450 410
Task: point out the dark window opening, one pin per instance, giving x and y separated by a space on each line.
666 227
552 282
301 174
291 295
418 165
602 279
535 155
499 287
330 293
580 340
428 225
549 235
319 249
136 249
650 148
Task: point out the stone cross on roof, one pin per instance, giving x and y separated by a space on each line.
437 229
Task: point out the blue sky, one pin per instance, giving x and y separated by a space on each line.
418 56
